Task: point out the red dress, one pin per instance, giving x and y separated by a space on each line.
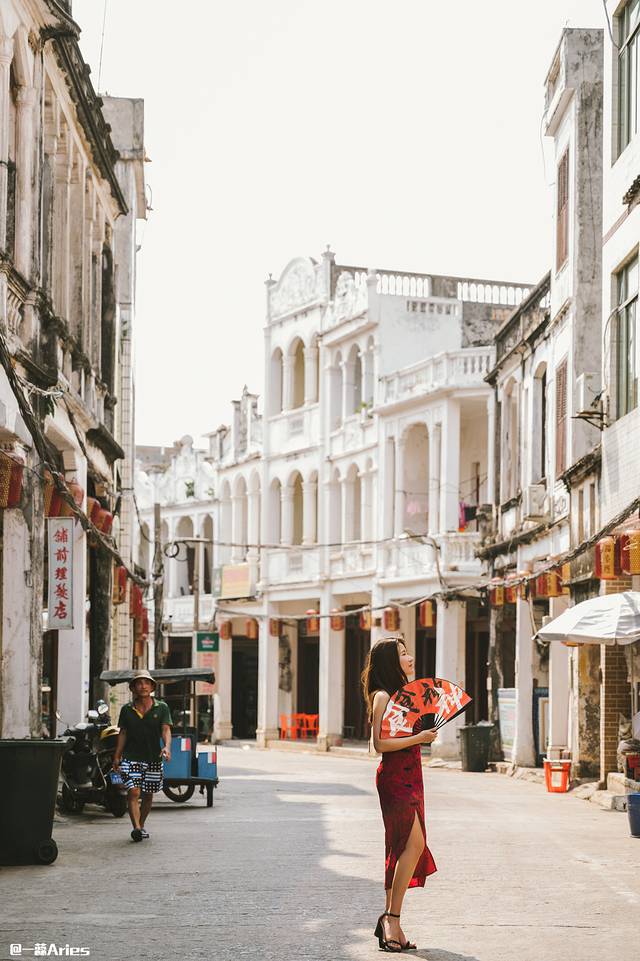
401 793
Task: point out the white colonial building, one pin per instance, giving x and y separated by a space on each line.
355 493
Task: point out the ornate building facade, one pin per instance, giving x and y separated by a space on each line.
64 260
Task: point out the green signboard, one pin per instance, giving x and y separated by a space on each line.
206 640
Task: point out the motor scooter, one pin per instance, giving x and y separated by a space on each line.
87 765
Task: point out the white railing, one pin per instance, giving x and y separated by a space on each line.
356 432
288 565
351 560
412 558
294 428
179 610
462 368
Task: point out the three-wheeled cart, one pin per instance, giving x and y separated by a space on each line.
187 768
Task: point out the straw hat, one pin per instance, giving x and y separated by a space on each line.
141 675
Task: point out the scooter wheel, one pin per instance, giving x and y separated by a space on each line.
180 793
68 803
116 804
46 851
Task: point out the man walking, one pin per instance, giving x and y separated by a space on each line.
138 757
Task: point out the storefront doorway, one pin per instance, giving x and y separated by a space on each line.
244 687
308 672
425 660
178 694
476 662
357 644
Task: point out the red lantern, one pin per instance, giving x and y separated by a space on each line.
93 509
391 619
104 521
52 499
365 620
554 582
313 621
119 584
512 589
496 592
607 558
224 631
274 627
145 623
135 600
336 619
251 629
630 552
541 585
11 476
77 494
427 614
565 577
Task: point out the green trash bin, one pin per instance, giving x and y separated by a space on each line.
475 746
30 771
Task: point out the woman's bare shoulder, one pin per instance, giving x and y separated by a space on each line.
380 697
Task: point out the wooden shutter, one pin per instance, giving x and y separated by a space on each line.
561 418
562 214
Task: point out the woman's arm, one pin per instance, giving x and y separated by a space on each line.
381 746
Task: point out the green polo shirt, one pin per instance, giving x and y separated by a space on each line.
144 731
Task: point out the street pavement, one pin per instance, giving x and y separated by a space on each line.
288 864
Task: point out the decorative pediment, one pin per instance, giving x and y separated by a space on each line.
349 300
297 287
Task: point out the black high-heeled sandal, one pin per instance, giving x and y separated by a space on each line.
407 946
383 944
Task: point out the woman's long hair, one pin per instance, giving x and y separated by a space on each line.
382 671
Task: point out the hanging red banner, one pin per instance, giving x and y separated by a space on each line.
60 567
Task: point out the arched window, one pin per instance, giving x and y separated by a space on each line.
276 384
240 520
298 510
415 484
185 559
226 527
297 392
336 375
539 425
275 512
335 509
510 459
206 532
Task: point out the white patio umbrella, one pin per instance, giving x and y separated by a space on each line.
608 619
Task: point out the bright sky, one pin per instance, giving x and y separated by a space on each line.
406 134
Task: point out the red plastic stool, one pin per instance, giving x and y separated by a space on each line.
556 776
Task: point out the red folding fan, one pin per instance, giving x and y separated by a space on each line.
425 704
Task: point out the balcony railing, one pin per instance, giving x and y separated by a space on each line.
413 558
351 560
289 565
462 368
179 610
295 428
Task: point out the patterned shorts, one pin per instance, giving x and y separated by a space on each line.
142 774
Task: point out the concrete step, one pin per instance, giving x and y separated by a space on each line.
609 801
619 784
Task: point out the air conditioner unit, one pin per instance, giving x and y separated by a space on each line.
587 389
534 502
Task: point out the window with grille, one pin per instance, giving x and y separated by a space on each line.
628 28
561 418
562 214
625 339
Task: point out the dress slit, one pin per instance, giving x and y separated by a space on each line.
401 793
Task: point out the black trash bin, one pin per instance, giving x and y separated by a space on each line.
30 771
475 746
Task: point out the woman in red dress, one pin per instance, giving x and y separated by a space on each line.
408 860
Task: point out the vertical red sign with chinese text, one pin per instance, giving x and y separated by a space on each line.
60 573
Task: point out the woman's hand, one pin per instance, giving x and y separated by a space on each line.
427 737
